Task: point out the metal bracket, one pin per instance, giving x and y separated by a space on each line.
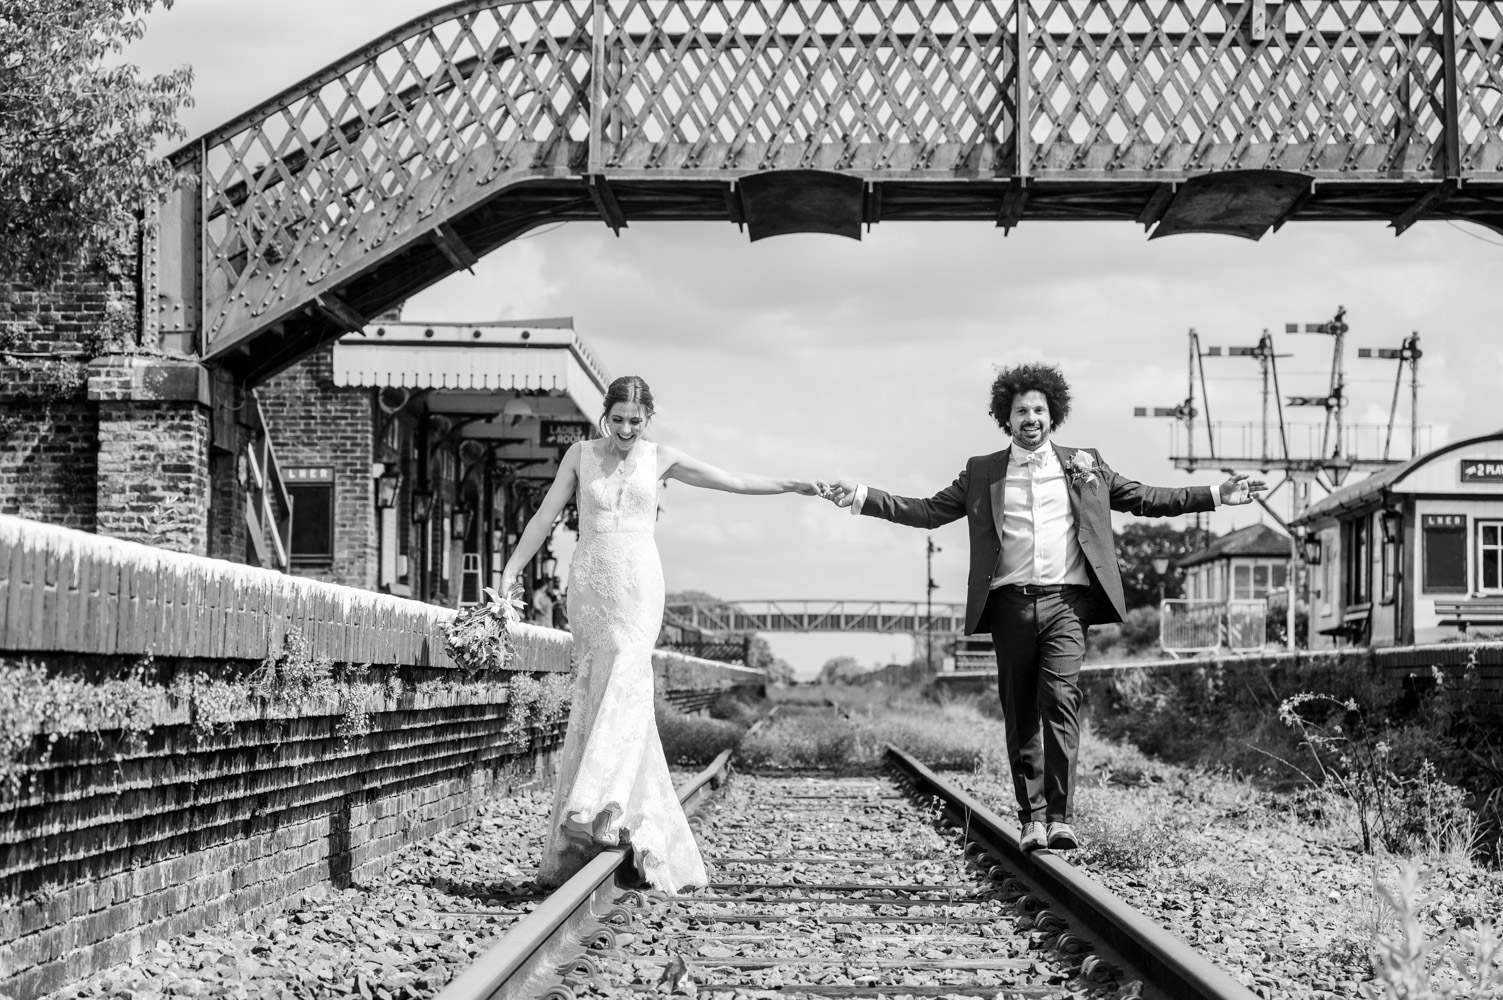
339 312
606 203
1014 200
453 247
1426 202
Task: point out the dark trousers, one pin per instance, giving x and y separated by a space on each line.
1040 644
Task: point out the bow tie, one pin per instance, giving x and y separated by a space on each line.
1031 457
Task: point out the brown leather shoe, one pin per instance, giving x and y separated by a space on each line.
1033 838
1062 838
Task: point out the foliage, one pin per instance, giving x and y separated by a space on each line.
840 670
1393 811
1276 629
78 129
1137 545
692 739
1408 962
33 704
478 638
537 703
1135 638
852 733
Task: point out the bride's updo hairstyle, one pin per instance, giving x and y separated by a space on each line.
627 389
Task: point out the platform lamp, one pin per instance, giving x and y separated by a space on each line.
1310 549
1337 468
388 486
1161 567
462 515
422 505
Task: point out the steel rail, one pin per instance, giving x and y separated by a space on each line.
1175 968
538 939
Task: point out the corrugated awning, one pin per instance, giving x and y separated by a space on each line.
468 358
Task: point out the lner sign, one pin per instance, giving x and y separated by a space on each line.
1481 470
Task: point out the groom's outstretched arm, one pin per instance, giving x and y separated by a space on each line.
945 506
1132 497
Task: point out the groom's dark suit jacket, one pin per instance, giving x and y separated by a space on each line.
977 495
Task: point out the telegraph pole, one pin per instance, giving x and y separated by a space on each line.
929 549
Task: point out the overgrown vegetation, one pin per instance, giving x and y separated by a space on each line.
78 131
38 708
847 729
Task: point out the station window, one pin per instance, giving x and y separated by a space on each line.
1255 581
1359 562
312 523
1490 555
1443 544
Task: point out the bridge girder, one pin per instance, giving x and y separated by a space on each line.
473 125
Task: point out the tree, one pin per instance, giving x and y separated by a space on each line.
840 670
78 130
1137 545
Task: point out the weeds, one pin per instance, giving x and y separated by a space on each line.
694 740
1408 962
1394 812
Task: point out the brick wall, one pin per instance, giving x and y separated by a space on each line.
48 432
114 841
47 461
154 467
314 422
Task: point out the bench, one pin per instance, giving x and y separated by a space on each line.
1466 611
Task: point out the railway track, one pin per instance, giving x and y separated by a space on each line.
899 886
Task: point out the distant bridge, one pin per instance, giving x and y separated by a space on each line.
818 616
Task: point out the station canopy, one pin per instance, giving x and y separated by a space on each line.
520 387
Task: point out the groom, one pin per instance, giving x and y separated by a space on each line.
1043 569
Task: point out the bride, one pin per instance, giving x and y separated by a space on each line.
613 784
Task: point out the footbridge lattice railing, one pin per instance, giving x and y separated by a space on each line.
380 174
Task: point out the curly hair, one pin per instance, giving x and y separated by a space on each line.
1046 379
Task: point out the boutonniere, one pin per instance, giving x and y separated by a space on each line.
1081 468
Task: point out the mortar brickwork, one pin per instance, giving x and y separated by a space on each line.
316 423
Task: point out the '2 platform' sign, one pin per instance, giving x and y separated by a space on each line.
1481 470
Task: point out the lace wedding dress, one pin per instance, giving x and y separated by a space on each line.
613 783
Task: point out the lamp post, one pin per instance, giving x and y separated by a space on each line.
929 549
1160 568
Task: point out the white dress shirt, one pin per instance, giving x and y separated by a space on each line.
1039 544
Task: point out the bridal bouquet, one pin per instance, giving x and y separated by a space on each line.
478 638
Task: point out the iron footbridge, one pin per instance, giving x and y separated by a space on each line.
472 125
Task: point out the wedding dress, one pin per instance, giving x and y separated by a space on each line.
613 783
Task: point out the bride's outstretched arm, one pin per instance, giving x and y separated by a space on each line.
687 469
542 521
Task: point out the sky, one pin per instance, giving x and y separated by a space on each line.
820 357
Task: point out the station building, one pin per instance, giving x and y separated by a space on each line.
1247 564
407 458
1412 554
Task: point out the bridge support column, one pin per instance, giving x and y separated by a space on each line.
154 436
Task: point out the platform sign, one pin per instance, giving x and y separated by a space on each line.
1442 521
308 474
562 433
1481 470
